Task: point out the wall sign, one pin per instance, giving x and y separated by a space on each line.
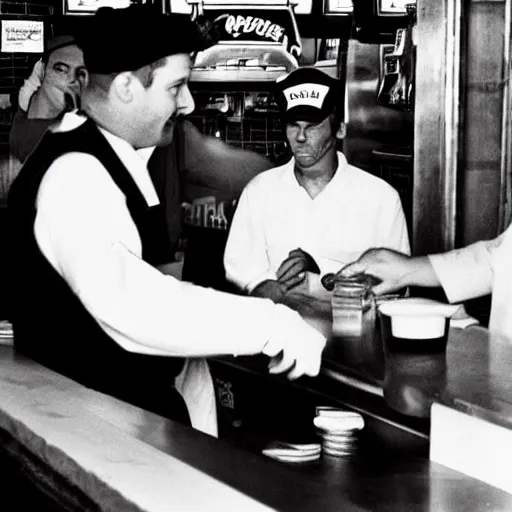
257 25
91 6
394 6
262 28
22 36
339 7
184 7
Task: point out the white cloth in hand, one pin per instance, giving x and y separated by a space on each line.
31 85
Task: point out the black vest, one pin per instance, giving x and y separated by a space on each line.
50 323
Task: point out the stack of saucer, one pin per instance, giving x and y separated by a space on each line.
339 430
6 334
292 452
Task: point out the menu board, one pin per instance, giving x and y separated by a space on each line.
181 7
184 7
22 36
394 6
303 7
339 7
91 6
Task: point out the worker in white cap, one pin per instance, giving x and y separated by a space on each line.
316 212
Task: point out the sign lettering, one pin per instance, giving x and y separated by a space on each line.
236 25
22 36
272 26
312 95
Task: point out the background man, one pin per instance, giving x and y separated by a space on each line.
87 233
316 212
63 76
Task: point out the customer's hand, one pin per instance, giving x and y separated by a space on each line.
63 98
394 269
292 270
295 347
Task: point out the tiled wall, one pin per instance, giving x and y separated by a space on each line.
245 119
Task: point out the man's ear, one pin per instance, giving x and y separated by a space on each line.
341 133
123 86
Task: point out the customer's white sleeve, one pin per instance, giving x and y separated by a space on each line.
85 231
245 258
466 273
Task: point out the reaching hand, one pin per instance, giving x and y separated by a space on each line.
394 269
293 269
295 347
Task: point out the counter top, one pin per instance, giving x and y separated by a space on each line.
474 377
479 376
124 458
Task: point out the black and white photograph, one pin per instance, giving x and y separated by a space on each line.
254 255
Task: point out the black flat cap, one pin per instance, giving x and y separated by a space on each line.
58 42
307 94
117 40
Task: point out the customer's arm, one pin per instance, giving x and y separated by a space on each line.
85 231
394 269
468 272
463 273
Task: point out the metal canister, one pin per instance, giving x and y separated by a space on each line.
356 334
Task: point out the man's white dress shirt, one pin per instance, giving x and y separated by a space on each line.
479 269
84 229
354 212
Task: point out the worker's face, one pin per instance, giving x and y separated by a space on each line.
159 105
65 76
310 142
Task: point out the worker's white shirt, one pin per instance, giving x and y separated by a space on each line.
84 229
354 212
479 269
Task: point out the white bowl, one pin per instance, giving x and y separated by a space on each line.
417 318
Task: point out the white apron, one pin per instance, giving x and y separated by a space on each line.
195 384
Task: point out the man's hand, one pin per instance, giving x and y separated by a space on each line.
394 269
391 267
295 347
292 271
63 99
269 289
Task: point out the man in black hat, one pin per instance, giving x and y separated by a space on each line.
88 231
190 168
315 213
